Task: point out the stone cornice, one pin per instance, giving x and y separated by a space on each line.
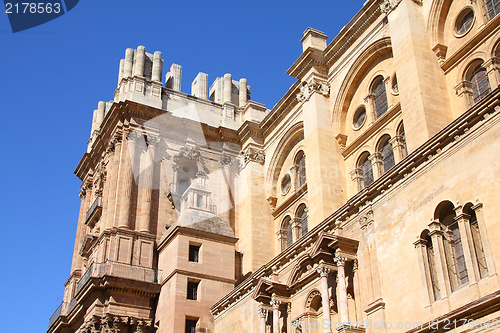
458 130
175 230
196 275
471 311
310 59
349 34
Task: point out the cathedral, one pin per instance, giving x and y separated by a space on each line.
363 201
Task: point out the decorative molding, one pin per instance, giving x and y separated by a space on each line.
323 271
254 155
314 85
225 159
366 219
341 140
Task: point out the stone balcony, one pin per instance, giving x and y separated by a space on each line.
96 275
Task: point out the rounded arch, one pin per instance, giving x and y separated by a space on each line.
383 141
479 56
362 158
424 234
311 304
285 222
375 53
471 67
443 209
494 49
293 136
437 19
300 209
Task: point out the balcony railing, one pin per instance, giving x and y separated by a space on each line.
117 269
107 268
94 212
56 315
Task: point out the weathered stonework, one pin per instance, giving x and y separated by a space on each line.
367 195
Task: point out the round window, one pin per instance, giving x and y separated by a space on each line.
286 183
359 117
185 169
464 21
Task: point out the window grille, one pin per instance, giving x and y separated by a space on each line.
493 8
380 98
387 156
478 246
367 173
301 169
431 258
480 84
289 236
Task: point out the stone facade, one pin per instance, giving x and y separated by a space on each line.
364 201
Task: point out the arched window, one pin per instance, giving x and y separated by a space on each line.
287 233
386 152
300 165
302 215
365 166
454 252
478 250
379 96
402 140
493 8
478 77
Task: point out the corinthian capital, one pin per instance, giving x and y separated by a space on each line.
275 304
323 271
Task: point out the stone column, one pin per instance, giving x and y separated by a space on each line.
262 319
371 116
243 93
120 73
227 88
377 165
397 148
357 176
296 227
127 181
147 185
325 299
140 57
157 67
421 245
276 315
437 243
289 317
492 66
114 151
129 60
342 290
464 90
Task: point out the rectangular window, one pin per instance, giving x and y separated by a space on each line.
199 200
194 253
191 325
192 292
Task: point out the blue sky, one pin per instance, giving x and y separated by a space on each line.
52 79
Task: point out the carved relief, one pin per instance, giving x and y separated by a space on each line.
254 155
314 85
